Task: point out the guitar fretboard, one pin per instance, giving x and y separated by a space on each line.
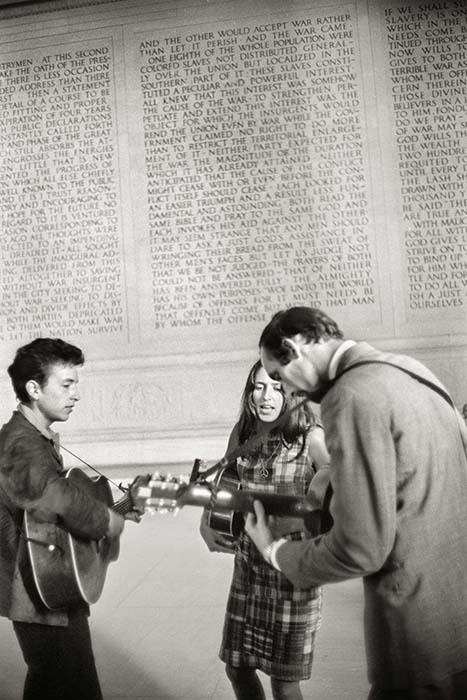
123 505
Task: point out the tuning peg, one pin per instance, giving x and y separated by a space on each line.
157 476
161 484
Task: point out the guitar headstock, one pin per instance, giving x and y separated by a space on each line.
160 494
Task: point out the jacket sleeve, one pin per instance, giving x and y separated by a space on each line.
357 423
31 478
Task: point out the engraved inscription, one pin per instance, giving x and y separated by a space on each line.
61 267
256 177
428 66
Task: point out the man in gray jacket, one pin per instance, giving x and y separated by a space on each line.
398 473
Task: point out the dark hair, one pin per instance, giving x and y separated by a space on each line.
33 361
296 425
313 324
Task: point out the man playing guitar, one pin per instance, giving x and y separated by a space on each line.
56 644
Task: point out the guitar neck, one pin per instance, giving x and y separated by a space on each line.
123 505
242 501
274 503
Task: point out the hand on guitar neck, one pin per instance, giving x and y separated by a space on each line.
117 517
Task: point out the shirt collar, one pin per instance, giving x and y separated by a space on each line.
30 416
343 347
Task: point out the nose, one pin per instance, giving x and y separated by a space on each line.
268 391
75 395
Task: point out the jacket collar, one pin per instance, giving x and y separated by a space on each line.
31 417
335 359
352 354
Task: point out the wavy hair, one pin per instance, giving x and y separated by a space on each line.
296 425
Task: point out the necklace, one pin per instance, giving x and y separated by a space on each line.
266 463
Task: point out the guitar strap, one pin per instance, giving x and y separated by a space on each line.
118 486
326 522
431 385
414 375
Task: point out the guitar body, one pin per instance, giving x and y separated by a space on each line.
68 570
228 523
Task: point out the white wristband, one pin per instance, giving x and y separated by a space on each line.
274 549
267 551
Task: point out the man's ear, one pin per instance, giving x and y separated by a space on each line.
32 387
294 348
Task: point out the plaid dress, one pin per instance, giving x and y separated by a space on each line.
269 624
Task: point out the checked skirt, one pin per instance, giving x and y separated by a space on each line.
269 624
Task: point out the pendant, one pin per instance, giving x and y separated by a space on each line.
264 471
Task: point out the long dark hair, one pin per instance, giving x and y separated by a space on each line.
296 425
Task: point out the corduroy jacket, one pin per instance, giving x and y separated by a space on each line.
31 478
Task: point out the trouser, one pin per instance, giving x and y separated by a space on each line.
452 688
60 661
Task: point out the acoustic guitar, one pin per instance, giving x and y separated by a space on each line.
229 523
226 500
67 570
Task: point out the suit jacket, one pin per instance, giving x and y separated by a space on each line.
399 475
31 479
